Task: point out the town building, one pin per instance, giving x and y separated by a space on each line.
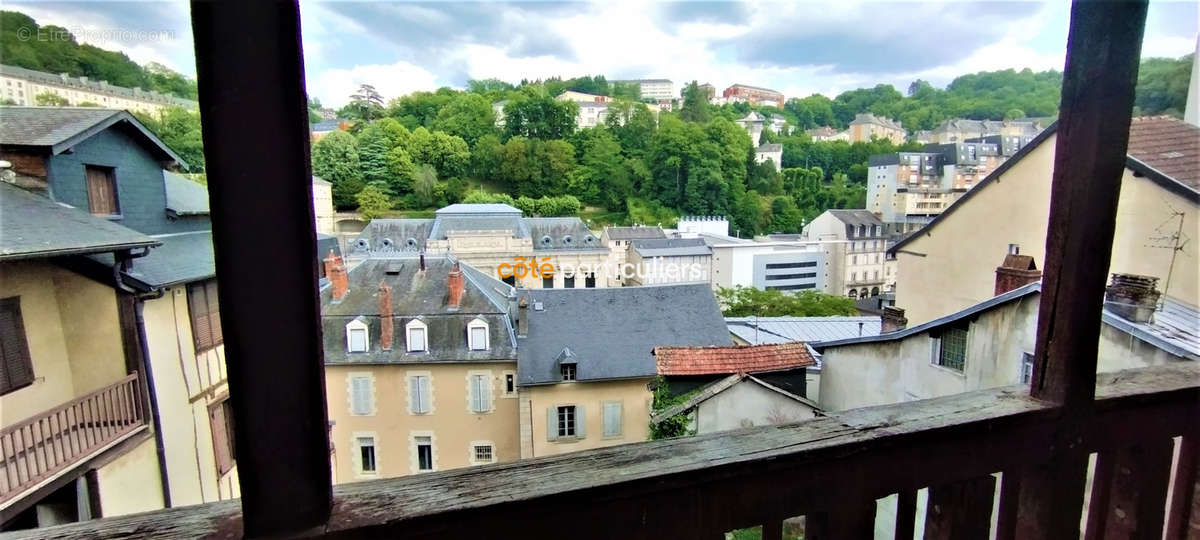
669 260
947 265
866 271
591 114
753 95
959 129
21 86
774 330
487 236
75 435
991 344
692 226
772 153
327 126
826 133
709 91
753 124
323 212
661 90
784 265
585 359
420 367
620 242
867 126
756 385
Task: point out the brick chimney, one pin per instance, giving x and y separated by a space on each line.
1016 272
1132 297
523 316
893 319
454 284
335 272
385 317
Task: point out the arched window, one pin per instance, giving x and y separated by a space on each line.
417 336
853 293
874 291
477 335
357 338
862 293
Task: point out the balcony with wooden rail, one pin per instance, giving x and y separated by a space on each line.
37 449
1014 462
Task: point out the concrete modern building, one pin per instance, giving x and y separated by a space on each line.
948 265
585 360
866 126
866 270
495 237
22 86
669 260
620 242
753 95
780 265
959 129
657 89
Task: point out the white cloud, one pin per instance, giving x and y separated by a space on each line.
334 86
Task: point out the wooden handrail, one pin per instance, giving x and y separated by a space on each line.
38 447
830 469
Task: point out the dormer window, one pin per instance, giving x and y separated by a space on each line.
568 372
356 336
417 336
477 335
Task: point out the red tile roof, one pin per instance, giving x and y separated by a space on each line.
725 360
1169 145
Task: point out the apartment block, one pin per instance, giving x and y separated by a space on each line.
753 95
656 89
21 86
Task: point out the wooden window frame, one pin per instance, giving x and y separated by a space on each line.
416 324
568 422
111 174
206 292
361 468
19 365
370 378
471 343
568 372
939 356
221 421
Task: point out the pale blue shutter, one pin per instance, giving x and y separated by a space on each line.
485 384
360 390
552 423
612 419
414 394
580 422
426 394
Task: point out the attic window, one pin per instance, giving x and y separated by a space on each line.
356 336
416 338
568 372
477 335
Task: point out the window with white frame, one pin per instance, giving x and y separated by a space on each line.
480 388
950 347
420 393
510 384
366 455
612 419
477 335
417 336
565 422
567 371
356 336
362 394
1026 367
482 453
423 445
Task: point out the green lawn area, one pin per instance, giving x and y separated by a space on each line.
597 217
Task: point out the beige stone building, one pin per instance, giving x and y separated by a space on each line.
948 265
959 129
323 213
496 239
22 86
866 126
865 269
420 367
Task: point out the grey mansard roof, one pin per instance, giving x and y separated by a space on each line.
546 233
32 226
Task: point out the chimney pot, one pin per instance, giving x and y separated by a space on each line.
454 283
1015 272
422 261
523 316
386 328
335 271
893 319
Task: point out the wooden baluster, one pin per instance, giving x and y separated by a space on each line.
122 414
1006 513
1183 516
849 521
1137 494
10 455
906 515
31 454
960 509
41 444
1097 511
108 414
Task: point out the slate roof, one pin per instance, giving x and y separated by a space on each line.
182 258
855 217
546 233
60 128
613 331
752 117
478 209
771 147
766 330
634 233
185 197
672 247
823 131
1167 145
868 118
383 235
672 361
34 227
416 295
748 87
562 232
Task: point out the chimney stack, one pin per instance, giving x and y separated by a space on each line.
335 271
893 319
1017 271
454 283
422 261
385 317
523 316
1132 297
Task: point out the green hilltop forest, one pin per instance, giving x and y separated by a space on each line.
427 149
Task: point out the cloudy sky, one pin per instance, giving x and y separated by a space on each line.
796 47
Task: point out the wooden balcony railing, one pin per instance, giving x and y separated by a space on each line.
829 470
37 448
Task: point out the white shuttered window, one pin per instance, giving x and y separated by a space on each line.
361 401
612 419
481 393
419 393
